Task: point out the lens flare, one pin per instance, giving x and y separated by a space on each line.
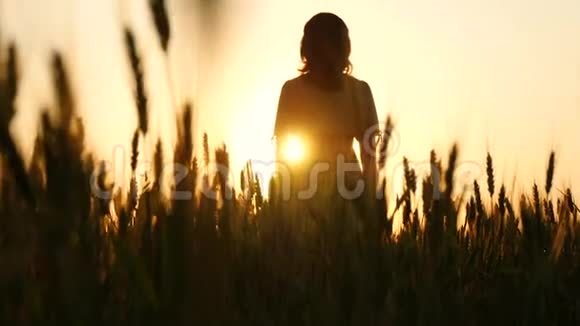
294 149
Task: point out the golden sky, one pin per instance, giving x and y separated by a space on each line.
494 75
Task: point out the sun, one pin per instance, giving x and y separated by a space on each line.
293 149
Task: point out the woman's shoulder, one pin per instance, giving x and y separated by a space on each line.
300 84
302 80
295 82
290 86
357 82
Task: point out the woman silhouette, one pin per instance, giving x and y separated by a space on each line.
326 108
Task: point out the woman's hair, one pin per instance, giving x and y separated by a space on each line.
326 46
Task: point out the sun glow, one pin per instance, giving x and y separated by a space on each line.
293 149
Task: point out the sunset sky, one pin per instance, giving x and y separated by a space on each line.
494 75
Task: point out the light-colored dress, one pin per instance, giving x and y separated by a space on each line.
327 121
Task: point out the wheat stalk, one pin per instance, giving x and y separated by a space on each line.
478 200
158 163
490 176
409 175
138 78
502 201
63 91
134 150
536 200
160 18
550 172
8 93
450 171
